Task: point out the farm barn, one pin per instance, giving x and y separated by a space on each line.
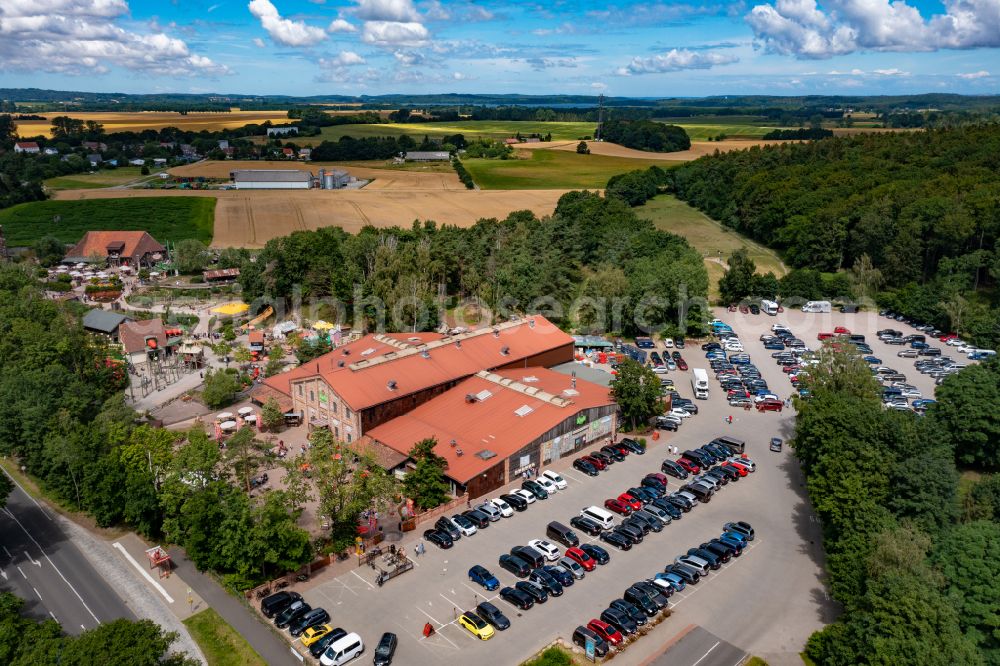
277 179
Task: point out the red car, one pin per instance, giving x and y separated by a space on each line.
581 558
840 330
789 369
596 462
605 631
633 502
769 405
744 309
740 469
689 465
662 478
681 364
618 507
824 336
624 450
948 336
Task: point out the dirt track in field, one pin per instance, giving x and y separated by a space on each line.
251 218
382 179
698 149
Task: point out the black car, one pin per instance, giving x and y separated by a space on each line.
534 590
714 561
313 618
719 451
632 446
630 532
639 523
687 405
278 602
547 581
585 525
564 577
672 509
291 614
655 486
478 518
719 475
689 575
640 600
664 424
585 467
535 489
515 565
671 468
682 503
320 646
634 613
581 636
514 596
654 593
619 620
600 555
444 524
654 523
492 614
731 473
516 502
616 540
724 553
614 453
438 538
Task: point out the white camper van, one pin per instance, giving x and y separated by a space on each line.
816 306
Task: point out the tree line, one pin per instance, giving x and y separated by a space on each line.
646 135
911 557
592 246
380 147
915 213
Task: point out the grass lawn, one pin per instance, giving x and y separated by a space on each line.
471 129
165 218
553 169
220 642
734 127
103 178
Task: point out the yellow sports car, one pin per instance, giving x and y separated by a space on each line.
476 625
313 634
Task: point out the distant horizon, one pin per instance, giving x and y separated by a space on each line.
635 48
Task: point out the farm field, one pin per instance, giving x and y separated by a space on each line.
545 169
165 218
470 129
697 149
714 241
734 127
104 178
251 218
142 120
383 177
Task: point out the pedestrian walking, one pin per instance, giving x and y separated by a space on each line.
416 550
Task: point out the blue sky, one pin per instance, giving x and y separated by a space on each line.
311 47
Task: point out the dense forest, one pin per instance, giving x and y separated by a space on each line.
912 553
591 247
646 135
917 212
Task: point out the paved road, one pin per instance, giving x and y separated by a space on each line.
261 636
699 647
40 564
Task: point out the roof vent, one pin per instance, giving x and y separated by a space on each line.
347 352
458 344
453 443
531 323
425 354
459 452
530 379
486 454
571 392
391 385
505 351
340 364
523 410
496 332
369 351
470 398
483 395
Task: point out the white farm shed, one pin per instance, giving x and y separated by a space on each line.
273 179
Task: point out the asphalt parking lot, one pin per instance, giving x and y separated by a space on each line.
765 603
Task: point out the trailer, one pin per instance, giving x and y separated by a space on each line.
817 306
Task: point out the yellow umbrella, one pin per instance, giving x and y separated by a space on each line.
230 309
322 325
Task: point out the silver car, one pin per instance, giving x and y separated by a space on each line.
573 567
490 510
698 564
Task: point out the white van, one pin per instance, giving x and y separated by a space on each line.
599 516
816 306
342 651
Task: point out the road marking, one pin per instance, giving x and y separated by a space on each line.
449 600
35 562
430 616
362 579
53 616
40 507
145 574
49 559
38 593
472 589
571 476
717 643
8 552
22 572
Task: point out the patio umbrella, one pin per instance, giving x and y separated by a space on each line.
224 416
243 411
227 425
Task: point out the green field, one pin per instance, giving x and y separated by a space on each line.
552 170
165 218
714 241
84 181
219 642
703 128
471 129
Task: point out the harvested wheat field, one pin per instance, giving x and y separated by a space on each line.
251 218
142 120
698 149
387 178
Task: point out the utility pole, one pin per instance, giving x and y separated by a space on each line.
600 117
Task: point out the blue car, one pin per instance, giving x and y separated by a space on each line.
729 535
774 345
480 574
874 360
675 581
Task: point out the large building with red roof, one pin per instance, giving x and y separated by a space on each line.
494 426
117 248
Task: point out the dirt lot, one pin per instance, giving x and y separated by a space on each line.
383 179
698 149
251 218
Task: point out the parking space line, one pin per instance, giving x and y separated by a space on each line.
570 476
440 624
454 604
472 589
362 579
707 653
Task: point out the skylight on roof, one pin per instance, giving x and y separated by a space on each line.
483 395
370 350
523 410
530 379
571 392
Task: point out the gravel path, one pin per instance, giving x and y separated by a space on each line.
133 590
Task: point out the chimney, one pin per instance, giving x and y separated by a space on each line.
572 381
453 443
458 344
470 398
391 385
505 351
531 323
425 354
496 332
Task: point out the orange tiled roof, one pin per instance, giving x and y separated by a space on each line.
137 243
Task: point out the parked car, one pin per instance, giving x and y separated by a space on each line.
548 582
585 466
386 649
616 540
606 631
482 576
438 538
740 527
674 469
512 595
320 646
596 553
503 507
619 620
492 614
293 612
585 525
549 550
581 557
476 625
315 617
546 483
526 495
565 578
536 489
555 478
464 525
277 602
629 609
477 518
515 565
776 444
582 635
533 590
490 511
313 634
445 525
516 502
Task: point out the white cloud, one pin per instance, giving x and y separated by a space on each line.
476 13
284 31
597 85
395 11
392 33
213 8
82 37
676 60
342 59
540 64
435 11
340 25
804 29
970 76
890 72
259 43
459 76
409 58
